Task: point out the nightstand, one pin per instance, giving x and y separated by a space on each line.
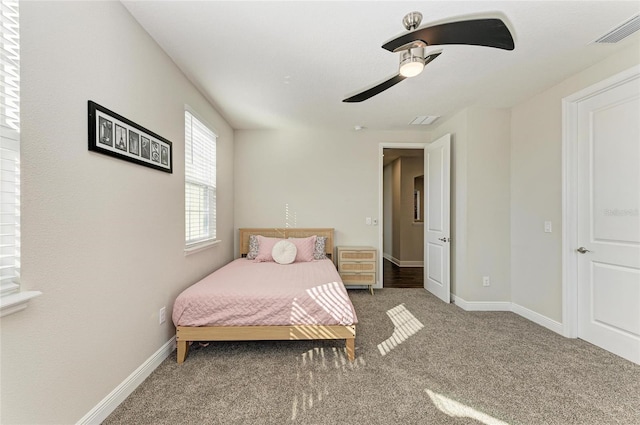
357 265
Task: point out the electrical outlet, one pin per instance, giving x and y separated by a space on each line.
547 227
486 281
162 315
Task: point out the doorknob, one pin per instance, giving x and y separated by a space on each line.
582 250
444 239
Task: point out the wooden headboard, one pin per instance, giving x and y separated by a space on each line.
286 233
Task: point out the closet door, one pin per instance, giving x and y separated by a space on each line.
608 222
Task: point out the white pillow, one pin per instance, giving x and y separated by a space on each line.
284 252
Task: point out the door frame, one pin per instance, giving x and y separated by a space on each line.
570 194
381 147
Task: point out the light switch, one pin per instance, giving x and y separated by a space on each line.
368 221
547 227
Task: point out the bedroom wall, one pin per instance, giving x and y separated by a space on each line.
101 238
536 187
328 177
480 202
488 200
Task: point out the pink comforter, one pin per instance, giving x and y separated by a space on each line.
245 293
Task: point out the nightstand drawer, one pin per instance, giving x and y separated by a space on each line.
357 265
358 278
364 255
367 266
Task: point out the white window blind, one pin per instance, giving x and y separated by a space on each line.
200 182
9 148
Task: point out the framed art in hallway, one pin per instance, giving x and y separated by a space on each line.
114 135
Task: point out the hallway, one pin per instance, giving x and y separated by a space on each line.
402 277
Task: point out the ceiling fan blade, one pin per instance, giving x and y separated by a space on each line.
376 89
478 32
379 88
431 57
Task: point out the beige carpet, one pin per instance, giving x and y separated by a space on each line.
419 361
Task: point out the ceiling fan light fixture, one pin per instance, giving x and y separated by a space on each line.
412 62
488 32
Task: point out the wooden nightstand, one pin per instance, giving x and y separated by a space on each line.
357 265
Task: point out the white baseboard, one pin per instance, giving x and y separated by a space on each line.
509 306
537 318
411 263
400 263
391 258
481 305
103 409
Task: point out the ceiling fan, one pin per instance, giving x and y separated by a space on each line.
411 46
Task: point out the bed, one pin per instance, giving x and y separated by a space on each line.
232 304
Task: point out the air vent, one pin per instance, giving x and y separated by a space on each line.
622 31
424 120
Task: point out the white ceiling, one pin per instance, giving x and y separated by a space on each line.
289 64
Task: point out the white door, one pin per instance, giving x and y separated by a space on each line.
437 252
608 219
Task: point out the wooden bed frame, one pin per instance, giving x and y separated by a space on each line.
186 334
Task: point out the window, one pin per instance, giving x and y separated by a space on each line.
11 299
10 149
200 182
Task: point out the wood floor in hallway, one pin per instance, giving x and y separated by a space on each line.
402 277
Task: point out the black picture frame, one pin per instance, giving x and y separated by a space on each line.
114 135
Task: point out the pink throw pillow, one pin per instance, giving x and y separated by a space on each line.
265 246
305 247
